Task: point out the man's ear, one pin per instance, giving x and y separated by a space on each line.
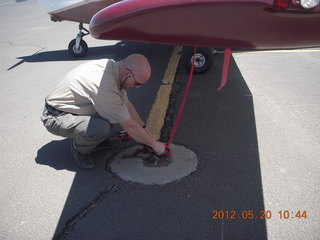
125 73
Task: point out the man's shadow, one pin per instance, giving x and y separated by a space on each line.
56 154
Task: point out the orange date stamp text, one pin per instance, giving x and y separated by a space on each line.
263 214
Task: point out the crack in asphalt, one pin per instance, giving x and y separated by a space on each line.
69 226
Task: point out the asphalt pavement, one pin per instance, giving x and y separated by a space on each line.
257 143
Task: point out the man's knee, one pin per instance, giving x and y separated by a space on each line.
98 129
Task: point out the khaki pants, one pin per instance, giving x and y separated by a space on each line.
87 131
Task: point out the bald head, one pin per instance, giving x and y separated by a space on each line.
140 66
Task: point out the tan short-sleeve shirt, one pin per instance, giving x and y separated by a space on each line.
92 88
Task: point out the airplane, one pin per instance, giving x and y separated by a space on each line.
205 24
80 11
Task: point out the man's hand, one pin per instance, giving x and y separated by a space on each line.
159 148
142 135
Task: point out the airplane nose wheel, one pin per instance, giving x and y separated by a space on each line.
79 51
78 47
202 62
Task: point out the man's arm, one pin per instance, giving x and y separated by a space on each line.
135 116
141 135
133 113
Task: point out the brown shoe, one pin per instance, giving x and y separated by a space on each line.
83 161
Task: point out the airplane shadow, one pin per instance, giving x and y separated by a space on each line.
117 52
220 127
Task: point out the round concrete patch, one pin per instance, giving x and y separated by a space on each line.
184 162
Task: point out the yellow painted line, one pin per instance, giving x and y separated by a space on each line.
172 66
159 108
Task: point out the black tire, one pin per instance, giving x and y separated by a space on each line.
203 61
81 51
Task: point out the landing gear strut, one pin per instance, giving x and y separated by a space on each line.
78 47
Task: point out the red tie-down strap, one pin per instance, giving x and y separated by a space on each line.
123 135
225 68
176 123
